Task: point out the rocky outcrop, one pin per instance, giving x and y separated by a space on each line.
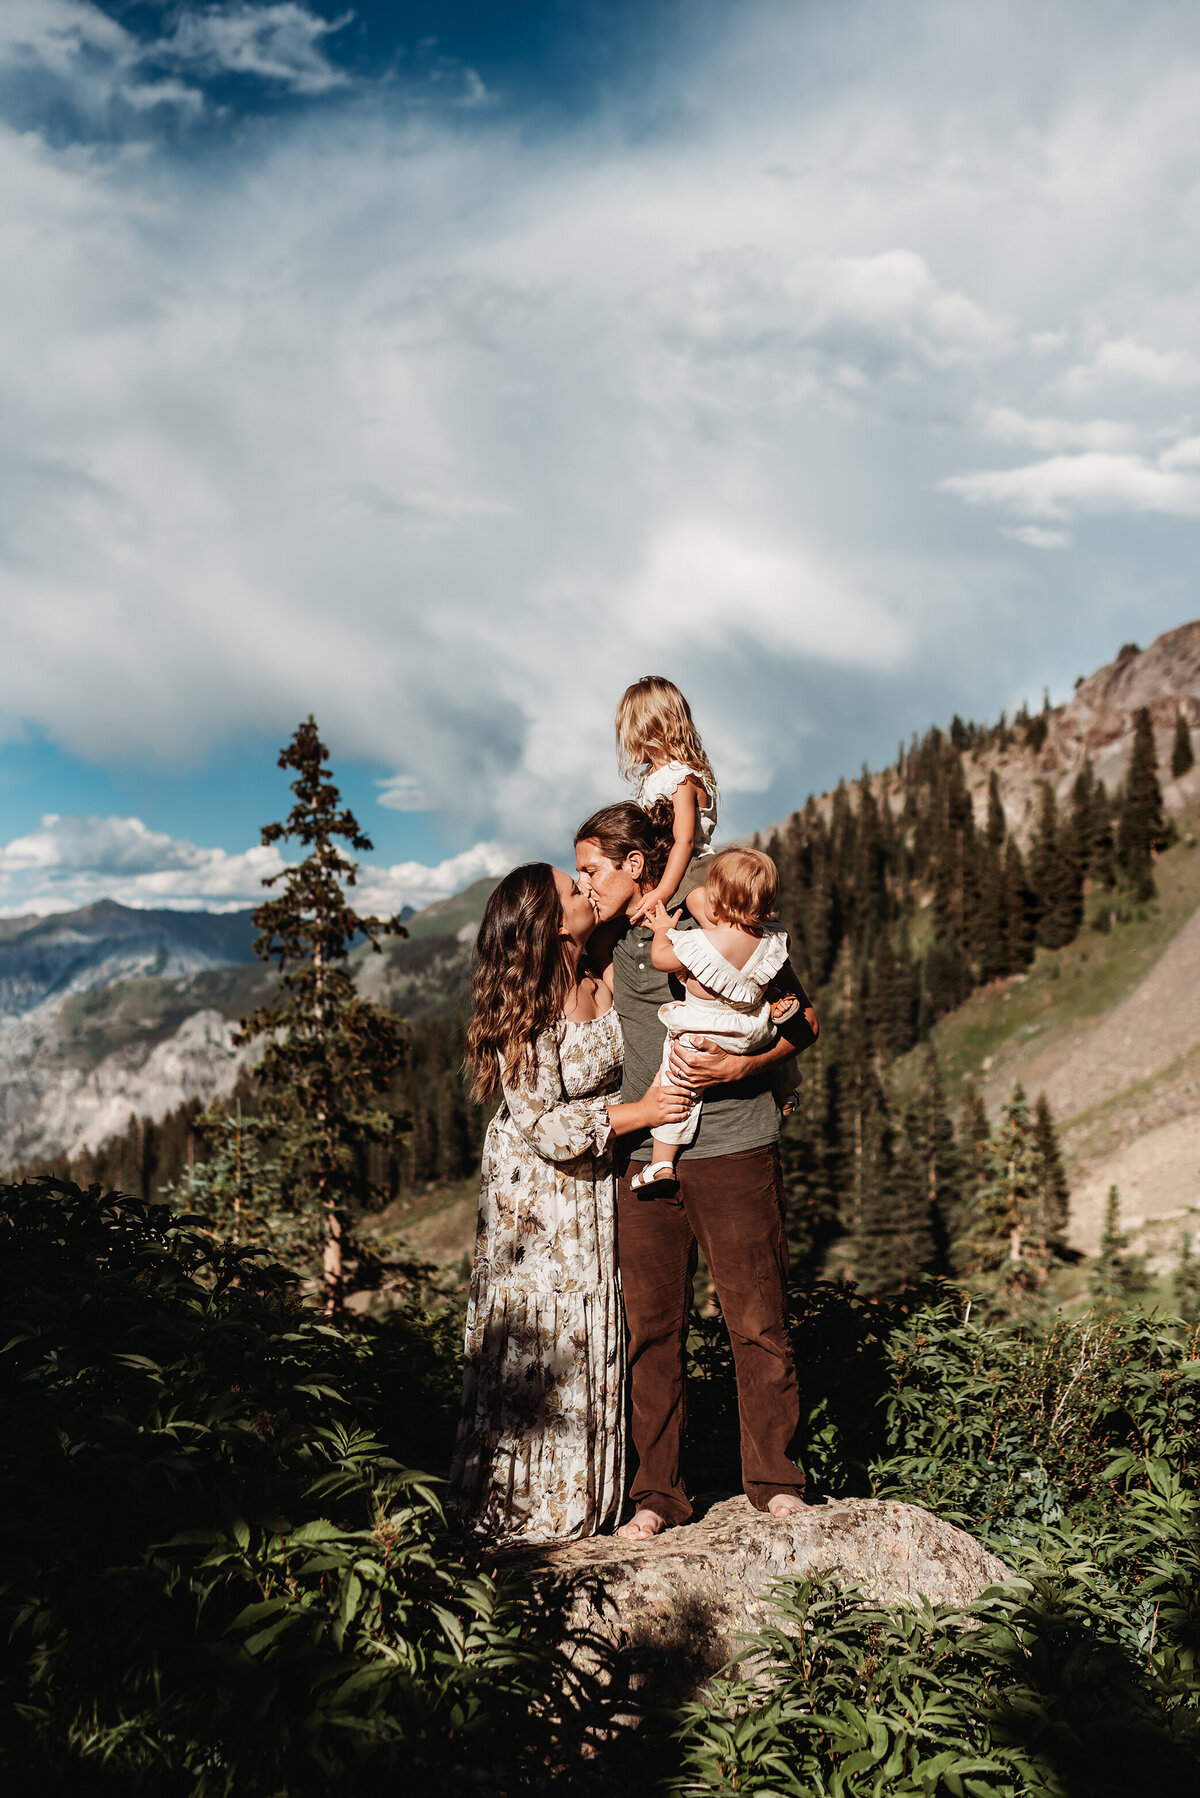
684 1602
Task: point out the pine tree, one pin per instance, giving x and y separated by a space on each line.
894 1247
929 1130
328 1052
1142 830
1116 1275
237 1188
1018 909
1182 757
1055 1187
1005 1245
997 828
1187 1282
1055 876
1091 827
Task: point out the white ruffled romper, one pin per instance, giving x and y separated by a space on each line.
739 1021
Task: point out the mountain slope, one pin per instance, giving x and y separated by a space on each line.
1109 1029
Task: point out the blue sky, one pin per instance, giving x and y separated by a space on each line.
440 369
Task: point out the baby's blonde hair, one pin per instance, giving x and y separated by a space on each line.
741 887
654 723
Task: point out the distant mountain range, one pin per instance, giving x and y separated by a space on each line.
110 1010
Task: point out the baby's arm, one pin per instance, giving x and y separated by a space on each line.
661 952
697 903
684 830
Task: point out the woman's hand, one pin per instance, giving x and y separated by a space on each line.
666 1104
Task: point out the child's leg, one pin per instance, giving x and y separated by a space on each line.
666 1140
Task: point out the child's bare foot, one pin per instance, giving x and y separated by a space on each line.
785 1008
785 1504
643 1526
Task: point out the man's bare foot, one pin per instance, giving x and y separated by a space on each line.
785 1504
642 1526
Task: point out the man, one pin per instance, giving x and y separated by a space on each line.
729 1199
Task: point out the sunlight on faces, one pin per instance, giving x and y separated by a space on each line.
613 889
578 913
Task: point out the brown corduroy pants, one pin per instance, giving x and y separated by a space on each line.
732 1205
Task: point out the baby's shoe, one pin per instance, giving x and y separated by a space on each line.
789 1103
655 1176
785 1008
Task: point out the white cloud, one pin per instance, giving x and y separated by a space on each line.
279 42
736 590
1124 359
446 427
68 862
96 62
1064 485
402 793
1006 425
1036 536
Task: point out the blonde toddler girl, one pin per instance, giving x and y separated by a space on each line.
726 967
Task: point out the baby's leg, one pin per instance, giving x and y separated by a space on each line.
667 1138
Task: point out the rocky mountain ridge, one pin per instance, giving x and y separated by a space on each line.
1096 725
108 1010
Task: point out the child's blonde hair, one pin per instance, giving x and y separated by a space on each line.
654 722
741 887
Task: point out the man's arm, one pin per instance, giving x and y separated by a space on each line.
701 1067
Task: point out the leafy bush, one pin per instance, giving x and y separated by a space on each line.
1076 1455
215 1579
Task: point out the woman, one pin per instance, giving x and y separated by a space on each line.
541 1446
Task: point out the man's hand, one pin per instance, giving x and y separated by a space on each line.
705 1065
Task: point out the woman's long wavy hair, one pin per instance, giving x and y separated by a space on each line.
621 829
521 975
655 725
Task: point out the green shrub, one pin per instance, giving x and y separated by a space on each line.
215 1580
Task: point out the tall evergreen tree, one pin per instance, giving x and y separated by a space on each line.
1005 1245
1187 1282
894 1246
997 828
1055 1186
1142 830
929 1130
1055 876
1116 1275
1182 756
1018 909
327 1051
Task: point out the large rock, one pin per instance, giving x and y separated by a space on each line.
682 1604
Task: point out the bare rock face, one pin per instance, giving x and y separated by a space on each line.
683 1602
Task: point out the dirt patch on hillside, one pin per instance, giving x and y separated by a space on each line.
1156 1026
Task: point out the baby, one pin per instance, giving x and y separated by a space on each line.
726 966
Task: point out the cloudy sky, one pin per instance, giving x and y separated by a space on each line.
439 369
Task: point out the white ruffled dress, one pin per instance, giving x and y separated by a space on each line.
738 1022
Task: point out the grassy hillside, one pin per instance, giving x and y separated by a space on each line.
1077 985
97 1023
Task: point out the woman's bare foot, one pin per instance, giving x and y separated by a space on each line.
642 1526
785 1504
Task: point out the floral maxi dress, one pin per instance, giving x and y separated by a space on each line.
540 1451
